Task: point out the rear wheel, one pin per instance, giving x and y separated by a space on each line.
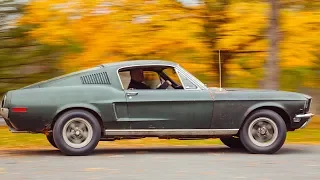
51 140
232 142
264 132
77 132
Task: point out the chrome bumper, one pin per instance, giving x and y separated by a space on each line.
4 112
309 115
300 117
305 124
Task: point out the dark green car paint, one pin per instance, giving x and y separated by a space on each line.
203 108
232 107
173 109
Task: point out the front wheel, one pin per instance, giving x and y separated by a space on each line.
264 132
77 132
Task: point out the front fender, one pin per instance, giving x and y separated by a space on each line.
263 104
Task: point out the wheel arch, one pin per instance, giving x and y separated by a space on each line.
278 108
90 108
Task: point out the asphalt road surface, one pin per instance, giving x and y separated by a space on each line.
292 162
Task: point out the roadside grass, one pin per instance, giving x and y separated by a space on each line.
8 140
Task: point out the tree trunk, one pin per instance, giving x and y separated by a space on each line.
271 80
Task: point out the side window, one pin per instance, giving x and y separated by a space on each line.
172 74
151 79
187 84
125 78
143 77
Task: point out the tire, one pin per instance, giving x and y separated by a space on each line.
77 124
278 129
232 142
51 140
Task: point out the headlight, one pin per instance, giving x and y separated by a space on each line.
307 105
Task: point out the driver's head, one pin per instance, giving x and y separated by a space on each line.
137 75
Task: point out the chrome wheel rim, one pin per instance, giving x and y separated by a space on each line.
77 133
263 132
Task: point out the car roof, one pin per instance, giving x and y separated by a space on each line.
139 62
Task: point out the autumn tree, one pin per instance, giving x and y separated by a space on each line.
107 31
240 35
240 30
22 61
300 45
94 32
213 17
271 79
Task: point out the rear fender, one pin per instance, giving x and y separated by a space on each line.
75 106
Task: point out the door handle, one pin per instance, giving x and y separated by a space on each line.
132 93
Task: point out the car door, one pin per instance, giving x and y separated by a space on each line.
187 108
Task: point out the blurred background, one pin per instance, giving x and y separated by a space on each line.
263 44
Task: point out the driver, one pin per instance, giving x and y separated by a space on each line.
137 78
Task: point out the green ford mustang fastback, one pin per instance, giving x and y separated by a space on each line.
151 98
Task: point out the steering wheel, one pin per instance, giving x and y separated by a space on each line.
163 85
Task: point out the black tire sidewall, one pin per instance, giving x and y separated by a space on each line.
275 146
58 128
51 140
232 142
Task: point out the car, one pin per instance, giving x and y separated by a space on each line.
77 110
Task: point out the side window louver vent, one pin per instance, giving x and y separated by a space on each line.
97 78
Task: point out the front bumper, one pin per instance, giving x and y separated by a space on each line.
306 118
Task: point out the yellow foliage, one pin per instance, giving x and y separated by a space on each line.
246 28
246 21
301 39
119 30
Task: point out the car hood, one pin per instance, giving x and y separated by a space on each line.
248 89
262 92
241 89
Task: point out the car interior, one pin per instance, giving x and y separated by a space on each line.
153 77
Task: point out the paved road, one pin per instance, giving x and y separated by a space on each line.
218 162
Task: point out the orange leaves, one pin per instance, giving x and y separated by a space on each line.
117 30
245 29
301 39
246 22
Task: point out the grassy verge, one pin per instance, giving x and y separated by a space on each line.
8 140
